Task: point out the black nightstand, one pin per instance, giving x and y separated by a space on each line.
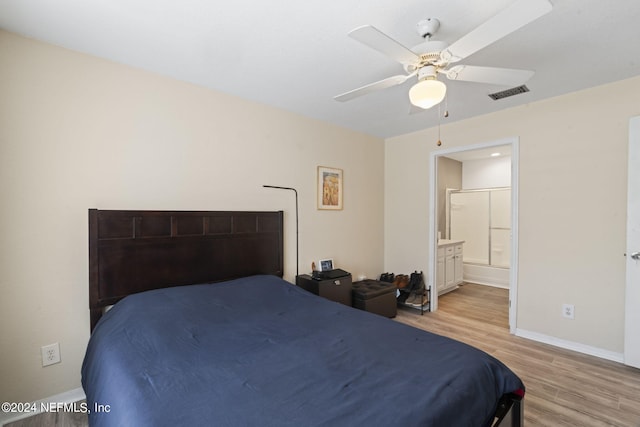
337 289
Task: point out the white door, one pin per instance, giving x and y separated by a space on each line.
632 296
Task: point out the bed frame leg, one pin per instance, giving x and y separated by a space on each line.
517 414
514 417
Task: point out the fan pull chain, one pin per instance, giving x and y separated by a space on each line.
439 142
446 106
440 115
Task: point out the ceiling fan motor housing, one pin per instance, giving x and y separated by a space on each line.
427 73
429 53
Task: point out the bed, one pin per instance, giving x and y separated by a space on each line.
204 331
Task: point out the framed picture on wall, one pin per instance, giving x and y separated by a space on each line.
329 188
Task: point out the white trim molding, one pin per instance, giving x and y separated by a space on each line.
571 345
514 142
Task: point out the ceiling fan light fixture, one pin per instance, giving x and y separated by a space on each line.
427 93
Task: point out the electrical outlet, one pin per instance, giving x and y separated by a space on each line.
50 354
567 311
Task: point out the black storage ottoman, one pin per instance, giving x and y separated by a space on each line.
375 297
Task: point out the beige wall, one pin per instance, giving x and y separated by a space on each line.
449 177
78 132
572 209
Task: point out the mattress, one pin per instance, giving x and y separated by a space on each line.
259 351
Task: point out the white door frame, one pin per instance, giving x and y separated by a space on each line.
433 244
632 290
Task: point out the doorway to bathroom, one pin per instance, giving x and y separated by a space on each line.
473 206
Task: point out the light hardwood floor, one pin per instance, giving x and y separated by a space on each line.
564 388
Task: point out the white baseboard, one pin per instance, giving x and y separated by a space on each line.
570 345
66 397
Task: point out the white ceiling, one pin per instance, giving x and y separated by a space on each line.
296 55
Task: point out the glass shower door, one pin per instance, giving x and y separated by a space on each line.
482 218
500 226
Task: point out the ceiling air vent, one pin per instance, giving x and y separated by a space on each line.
509 92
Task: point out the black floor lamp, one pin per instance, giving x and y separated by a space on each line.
295 191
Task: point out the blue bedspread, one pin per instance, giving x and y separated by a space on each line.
259 351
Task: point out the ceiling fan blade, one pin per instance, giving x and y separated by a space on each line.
381 42
515 16
491 75
372 87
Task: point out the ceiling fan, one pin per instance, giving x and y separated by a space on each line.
431 57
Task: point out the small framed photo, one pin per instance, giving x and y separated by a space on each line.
325 264
329 188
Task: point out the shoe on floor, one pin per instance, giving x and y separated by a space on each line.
419 300
402 298
411 299
401 281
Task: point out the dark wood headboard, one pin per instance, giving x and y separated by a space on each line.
136 251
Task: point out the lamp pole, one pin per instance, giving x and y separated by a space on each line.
296 192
